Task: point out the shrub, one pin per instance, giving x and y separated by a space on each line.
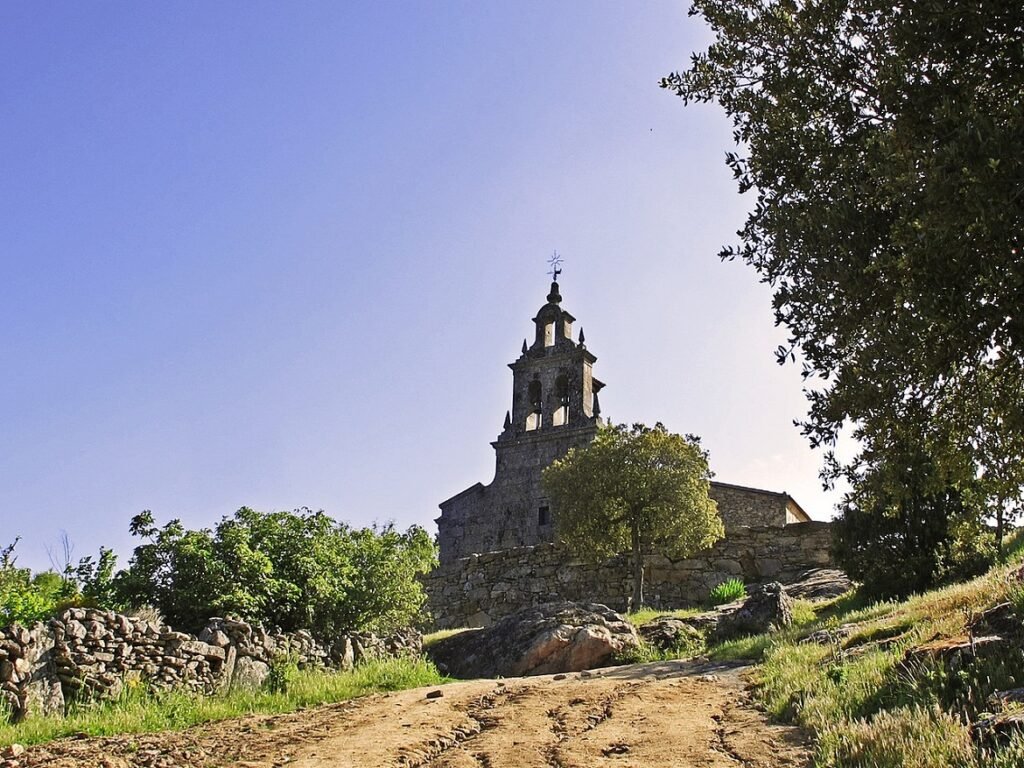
905 529
291 570
727 592
26 598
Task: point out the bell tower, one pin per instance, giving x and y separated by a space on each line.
554 408
553 384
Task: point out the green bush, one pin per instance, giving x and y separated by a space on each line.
291 570
728 592
907 529
26 598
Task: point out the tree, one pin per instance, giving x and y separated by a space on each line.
26 597
634 489
882 142
292 570
903 530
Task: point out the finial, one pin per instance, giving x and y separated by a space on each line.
555 262
525 348
583 338
508 420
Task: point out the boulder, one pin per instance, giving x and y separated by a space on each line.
1001 619
819 584
668 633
249 673
544 639
768 607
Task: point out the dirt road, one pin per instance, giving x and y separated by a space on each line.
666 714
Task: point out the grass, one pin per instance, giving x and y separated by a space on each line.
140 711
441 634
869 703
728 591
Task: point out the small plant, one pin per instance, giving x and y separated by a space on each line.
283 669
728 592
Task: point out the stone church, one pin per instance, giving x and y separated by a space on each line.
555 407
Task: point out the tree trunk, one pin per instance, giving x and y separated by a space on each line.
638 571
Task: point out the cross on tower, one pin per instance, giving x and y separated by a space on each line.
555 262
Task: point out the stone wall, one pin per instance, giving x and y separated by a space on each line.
87 653
739 506
477 590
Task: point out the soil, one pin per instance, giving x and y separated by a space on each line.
663 714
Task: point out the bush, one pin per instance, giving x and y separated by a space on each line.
906 530
27 598
728 592
290 570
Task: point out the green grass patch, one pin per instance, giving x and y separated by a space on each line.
138 710
865 702
728 591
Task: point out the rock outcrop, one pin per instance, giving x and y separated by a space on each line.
669 633
548 638
767 608
819 584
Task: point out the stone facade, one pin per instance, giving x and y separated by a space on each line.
477 590
554 408
739 506
87 653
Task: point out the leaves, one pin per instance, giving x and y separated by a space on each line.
634 489
26 598
292 570
882 143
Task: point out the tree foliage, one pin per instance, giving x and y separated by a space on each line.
292 570
634 489
883 143
26 597
900 532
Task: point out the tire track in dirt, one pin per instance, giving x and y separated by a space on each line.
664 714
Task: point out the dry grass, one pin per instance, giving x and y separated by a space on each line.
866 703
141 711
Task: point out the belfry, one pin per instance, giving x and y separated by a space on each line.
554 408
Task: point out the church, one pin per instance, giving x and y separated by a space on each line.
556 407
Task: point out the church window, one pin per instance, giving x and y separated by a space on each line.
544 516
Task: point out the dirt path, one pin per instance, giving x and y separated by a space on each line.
667 714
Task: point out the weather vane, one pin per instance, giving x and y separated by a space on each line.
555 262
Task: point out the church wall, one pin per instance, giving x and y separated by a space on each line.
739 506
481 588
505 514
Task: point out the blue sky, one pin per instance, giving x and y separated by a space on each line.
279 254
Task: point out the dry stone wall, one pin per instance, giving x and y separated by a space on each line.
87 653
475 591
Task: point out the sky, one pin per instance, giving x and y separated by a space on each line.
280 254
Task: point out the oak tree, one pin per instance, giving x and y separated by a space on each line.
634 489
881 141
